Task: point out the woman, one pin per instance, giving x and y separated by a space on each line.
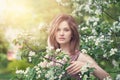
64 35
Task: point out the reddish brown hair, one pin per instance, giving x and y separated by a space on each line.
74 44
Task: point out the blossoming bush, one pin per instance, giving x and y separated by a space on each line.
99 37
51 65
99 29
48 64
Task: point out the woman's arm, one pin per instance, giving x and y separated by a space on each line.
98 72
82 60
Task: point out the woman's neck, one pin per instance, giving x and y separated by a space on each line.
65 48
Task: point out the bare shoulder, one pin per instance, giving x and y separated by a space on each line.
85 58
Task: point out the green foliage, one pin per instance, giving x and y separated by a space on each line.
35 40
3 61
3 42
51 65
99 26
18 64
3 49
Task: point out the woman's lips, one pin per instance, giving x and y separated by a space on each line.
61 38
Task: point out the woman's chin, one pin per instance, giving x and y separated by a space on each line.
61 42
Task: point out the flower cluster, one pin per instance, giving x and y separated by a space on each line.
99 35
107 78
52 67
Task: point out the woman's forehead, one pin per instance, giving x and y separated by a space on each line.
64 24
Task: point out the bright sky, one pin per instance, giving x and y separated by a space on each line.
27 13
11 10
15 13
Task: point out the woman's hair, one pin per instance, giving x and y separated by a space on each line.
74 43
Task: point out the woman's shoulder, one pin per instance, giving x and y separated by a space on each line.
81 54
84 57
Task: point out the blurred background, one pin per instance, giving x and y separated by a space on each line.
18 17
24 24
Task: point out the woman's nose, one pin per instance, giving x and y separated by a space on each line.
61 33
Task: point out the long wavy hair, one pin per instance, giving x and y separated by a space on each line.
74 43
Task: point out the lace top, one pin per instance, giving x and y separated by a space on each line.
74 58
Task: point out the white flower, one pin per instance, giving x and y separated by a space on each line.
41 25
111 41
63 72
90 2
94 31
107 78
49 49
102 37
26 71
60 76
49 74
84 28
20 72
119 18
87 8
85 77
104 55
30 59
114 62
86 40
47 56
84 51
97 42
43 64
80 75
38 76
38 72
113 51
98 11
91 37
87 22
93 19
37 68
61 61
118 77
114 24
50 64
80 7
31 53
109 33
65 58
95 23
58 50
84 68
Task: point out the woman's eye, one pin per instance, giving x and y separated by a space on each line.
66 29
58 29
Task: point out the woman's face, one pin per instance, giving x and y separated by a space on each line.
63 34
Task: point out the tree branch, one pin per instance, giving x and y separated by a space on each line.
51 59
110 16
25 42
